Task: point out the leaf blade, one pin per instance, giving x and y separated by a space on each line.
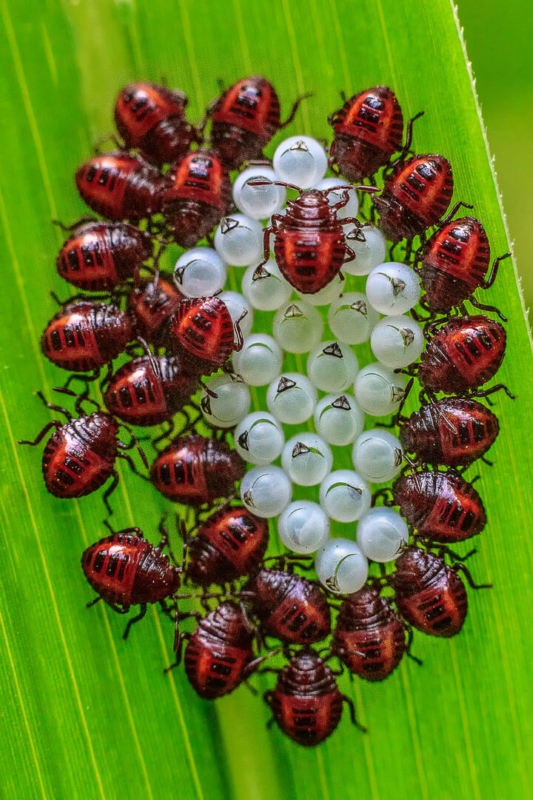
419 744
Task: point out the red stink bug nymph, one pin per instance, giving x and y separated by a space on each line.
121 186
219 654
197 197
100 255
441 506
85 336
149 390
126 570
367 130
306 702
245 118
430 595
151 118
369 637
152 304
205 332
195 470
415 196
309 243
454 262
463 355
453 432
229 544
80 456
290 607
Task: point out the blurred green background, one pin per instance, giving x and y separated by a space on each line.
499 40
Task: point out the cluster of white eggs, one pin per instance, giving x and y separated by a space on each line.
353 317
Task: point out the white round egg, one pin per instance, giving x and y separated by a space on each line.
379 390
368 253
265 288
381 533
300 160
266 491
377 455
303 527
397 341
259 438
239 240
344 495
297 327
306 458
341 566
291 398
332 366
338 419
393 288
259 361
352 318
231 404
258 202
200 272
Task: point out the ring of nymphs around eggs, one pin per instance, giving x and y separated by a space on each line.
318 520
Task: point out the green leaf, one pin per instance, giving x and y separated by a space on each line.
88 715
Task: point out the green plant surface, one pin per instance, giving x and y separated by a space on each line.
499 45
88 715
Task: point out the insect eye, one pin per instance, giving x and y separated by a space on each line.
426 171
460 234
374 102
249 97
